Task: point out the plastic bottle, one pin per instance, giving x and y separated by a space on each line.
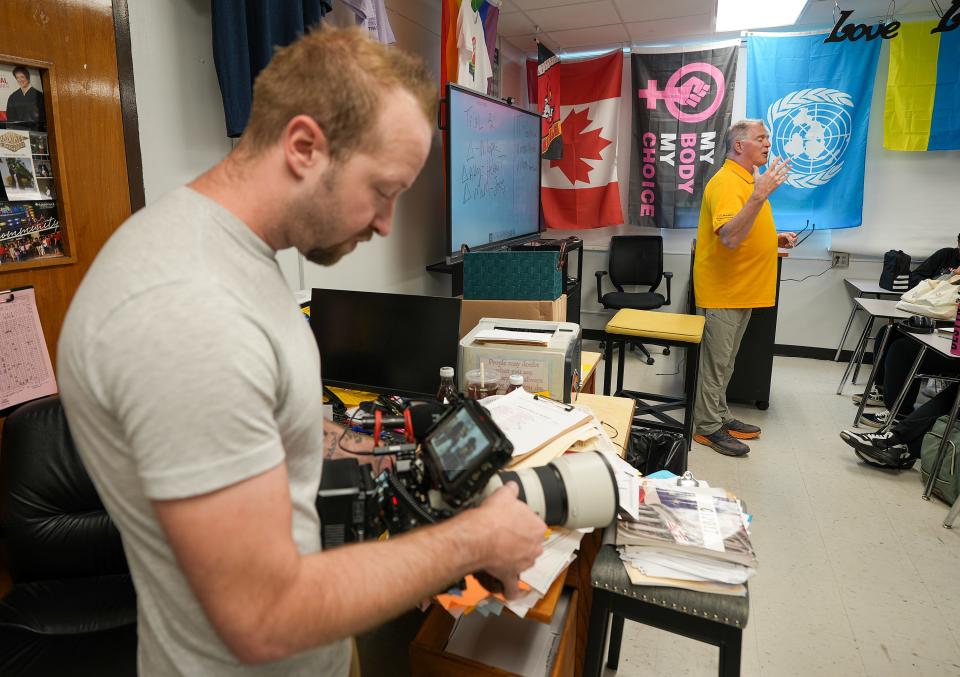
447 392
516 383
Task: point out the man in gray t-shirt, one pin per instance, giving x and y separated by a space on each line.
191 383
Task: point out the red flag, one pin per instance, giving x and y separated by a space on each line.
582 190
548 104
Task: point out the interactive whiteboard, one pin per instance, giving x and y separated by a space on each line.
493 171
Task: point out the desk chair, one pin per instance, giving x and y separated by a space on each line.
635 260
72 609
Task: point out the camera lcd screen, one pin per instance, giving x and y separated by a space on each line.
458 444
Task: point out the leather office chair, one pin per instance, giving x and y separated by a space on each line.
635 260
72 608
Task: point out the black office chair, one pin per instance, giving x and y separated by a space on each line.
72 609
635 260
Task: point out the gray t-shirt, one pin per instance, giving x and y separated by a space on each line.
185 366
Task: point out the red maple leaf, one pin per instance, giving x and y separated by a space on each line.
577 146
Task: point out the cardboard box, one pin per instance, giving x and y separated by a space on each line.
471 312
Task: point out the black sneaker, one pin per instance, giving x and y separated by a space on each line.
877 420
884 450
722 442
875 399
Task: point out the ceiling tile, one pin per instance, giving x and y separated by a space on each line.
633 10
571 17
612 36
507 6
514 23
540 4
526 44
864 11
664 29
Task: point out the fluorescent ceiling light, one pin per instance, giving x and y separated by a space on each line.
739 15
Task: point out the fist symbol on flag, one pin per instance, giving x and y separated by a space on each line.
691 92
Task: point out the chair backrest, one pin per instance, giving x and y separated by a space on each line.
636 260
54 522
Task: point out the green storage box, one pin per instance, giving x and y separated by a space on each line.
514 276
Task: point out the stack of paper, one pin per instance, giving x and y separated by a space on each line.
508 643
542 429
515 336
559 551
687 537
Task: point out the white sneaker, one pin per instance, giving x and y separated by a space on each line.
877 420
874 400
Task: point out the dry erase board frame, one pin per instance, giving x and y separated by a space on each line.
35 228
455 181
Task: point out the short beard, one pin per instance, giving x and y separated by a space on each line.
326 256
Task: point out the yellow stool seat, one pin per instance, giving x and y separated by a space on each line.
653 325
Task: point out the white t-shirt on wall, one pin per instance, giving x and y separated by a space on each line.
474 67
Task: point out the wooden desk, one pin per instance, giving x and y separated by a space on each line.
588 371
427 655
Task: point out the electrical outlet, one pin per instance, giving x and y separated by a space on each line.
841 260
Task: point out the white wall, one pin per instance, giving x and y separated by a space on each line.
182 128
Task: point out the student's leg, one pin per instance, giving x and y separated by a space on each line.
912 429
899 360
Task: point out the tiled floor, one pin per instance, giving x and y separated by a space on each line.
857 576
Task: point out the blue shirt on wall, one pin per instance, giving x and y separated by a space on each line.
245 35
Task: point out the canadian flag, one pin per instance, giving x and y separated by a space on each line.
581 190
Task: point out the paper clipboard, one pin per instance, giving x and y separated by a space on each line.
26 372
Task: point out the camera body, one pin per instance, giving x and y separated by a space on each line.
461 452
459 463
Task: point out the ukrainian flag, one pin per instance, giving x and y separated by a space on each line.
923 90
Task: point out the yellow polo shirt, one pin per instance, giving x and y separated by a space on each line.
743 277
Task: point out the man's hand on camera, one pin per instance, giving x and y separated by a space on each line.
513 539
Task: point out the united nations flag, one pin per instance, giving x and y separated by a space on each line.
815 100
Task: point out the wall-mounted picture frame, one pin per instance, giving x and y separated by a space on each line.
35 227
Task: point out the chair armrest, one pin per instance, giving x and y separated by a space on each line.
669 277
599 274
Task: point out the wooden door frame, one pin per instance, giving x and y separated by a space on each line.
128 105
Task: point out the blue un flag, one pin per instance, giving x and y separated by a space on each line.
815 100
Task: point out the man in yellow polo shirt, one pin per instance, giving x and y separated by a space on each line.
735 271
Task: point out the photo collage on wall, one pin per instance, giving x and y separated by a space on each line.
30 226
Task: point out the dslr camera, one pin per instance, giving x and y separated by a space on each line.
458 463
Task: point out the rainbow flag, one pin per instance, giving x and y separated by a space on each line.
923 90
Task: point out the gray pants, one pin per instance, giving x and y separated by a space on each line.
722 334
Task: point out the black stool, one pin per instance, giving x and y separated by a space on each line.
715 619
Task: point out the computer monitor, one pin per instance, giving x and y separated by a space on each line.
385 343
493 172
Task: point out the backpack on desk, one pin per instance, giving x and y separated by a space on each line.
896 271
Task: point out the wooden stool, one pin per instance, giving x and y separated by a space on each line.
715 619
663 329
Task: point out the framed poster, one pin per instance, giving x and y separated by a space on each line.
33 231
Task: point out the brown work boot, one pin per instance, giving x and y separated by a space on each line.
722 442
741 430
